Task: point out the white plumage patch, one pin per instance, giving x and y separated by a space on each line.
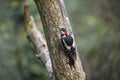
68 47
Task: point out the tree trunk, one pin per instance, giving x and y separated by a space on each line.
53 19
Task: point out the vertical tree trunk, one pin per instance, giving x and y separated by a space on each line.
53 19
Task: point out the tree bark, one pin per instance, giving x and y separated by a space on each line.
38 41
53 19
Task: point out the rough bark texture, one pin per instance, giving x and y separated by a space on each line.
53 19
38 41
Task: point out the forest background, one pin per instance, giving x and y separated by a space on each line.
95 23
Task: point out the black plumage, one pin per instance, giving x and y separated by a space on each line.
67 41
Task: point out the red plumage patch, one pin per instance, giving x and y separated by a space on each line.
65 33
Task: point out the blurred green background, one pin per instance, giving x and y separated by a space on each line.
96 25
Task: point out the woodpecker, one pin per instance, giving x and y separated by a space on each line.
67 45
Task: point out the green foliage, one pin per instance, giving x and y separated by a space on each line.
96 29
17 54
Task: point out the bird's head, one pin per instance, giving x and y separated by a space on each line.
63 31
